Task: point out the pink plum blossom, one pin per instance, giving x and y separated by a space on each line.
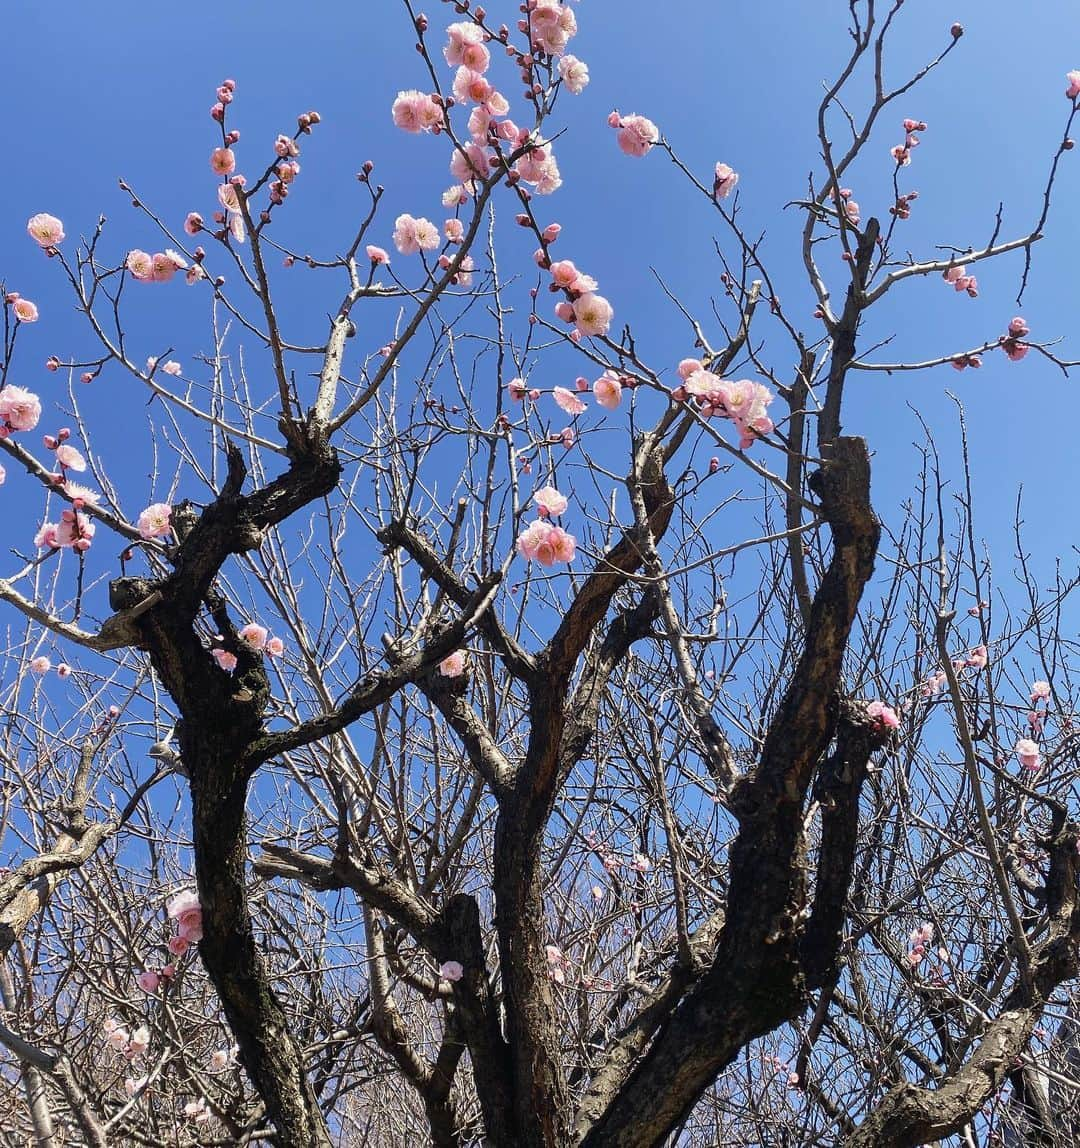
882 715
546 544
1040 691
465 37
275 647
565 275
219 1059
45 230
224 659
178 945
551 25
977 658
1027 751
454 230
574 73
415 111
69 458
377 255
223 161
149 981
593 314
155 520
193 224
636 135
40 664
413 235
25 311
608 390
186 911
453 665
1073 80
171 367
140 264
550 502
253 635
20 409
451 971
568 401
725 181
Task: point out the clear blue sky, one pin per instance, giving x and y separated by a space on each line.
122 89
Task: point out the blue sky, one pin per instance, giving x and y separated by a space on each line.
122 89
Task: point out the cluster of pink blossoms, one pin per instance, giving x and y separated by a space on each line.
20 410
1011 344
413 235
546 543
743 401
902 152
958 276
67 457
1040 706
157 268
884 717
920 938
558 964
186 911
42 665
590 313
130 1044
551 25
257 637
74 530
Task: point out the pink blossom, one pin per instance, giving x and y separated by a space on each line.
1028 753
415 111
75 530
149 981
63 670
45 230
193 223
538 168
901 155
567 276
166 264
219 1059
688 367
454 230
977 658
1018 327
69 458
222 161
275 647
574 73
568 401
882 715
725 181
453 665
640 863
550 502
471 87
516 389
40 664
118 1038
413 235
636 135
608 390
178 945
253 635
224 659
154 521
546 544
593 314
1040 691
551 25
454 196
463 37
140 1040
470 163
25 311
377 255
1073 80
46 536
141 265
20 409
186 910
451 971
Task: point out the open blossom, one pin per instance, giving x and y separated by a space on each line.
40 664
20 409
552 24
69 458
186 911
74 530
415 111
977 658
1040 690
550 502
1073 80
453 665
568 401
575 74
1028 753
149 981
224 659
140 264
470 163
593 314
546 544
140 1040
636 135
451 971
377 255
608 390
275 647
454 230
538 168
413 235
725 181
882 715
219 1059
253 635
154 521
25 311
45 230
171 367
